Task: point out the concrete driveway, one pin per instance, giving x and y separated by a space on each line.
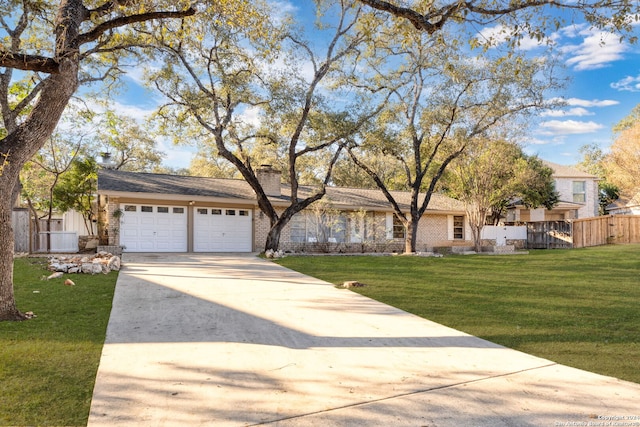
234 340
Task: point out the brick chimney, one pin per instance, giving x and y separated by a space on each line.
269 179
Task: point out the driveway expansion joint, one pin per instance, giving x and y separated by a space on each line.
403 395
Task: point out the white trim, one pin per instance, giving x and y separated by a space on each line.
389 225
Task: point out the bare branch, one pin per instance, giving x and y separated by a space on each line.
435 18
98 31
27 62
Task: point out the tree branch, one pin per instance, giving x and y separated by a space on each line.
27 62
94 34
435 18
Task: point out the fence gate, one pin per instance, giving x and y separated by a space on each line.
549 235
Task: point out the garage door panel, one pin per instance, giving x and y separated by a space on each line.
152 228
222 230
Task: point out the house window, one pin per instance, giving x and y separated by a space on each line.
130 208
318 228
178 210
243 213
398 228
163 209
231 212
146 209
579 191
458 227
216 211
298 225
202 211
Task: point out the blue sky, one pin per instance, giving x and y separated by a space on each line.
603 89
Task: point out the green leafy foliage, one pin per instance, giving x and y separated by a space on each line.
76 188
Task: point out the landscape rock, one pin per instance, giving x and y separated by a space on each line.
55 275
271 254
91 268
102 262
114 263
352 284
69 282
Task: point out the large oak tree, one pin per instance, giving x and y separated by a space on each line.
216 80
47 49
441 101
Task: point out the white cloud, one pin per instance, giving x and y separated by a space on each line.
280 9
176 156
500 34
537 141
577 102
573 30
597 50
251 116
569 127
629 83
579 111
137 112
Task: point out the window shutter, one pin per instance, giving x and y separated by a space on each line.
449 227
389 226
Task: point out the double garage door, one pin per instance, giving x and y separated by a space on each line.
163 228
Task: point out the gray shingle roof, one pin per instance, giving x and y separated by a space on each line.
135 182
372 199
563 171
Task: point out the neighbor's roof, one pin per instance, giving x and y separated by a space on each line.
113 181
625 202
563 171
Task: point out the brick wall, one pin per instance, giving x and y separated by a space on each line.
113 223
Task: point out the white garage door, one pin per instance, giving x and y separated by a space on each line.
153 228
221 230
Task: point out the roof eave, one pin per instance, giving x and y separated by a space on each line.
177 197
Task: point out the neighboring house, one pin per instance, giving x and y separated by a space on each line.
578 198
625 206
167 213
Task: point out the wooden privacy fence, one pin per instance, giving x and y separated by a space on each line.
582 233
549 235
20 223
604 230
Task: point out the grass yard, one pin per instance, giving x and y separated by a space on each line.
577 307
48 364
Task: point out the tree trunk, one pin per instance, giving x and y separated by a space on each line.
412 237
8 309
21 145
23 142
476 231
273 238
278 224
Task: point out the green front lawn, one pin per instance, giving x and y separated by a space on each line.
48 364
577 307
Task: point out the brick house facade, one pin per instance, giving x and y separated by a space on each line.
165 213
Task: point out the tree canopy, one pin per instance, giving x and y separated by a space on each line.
47 49
441 102
520 17
256 101
622 163
222 60
493 173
